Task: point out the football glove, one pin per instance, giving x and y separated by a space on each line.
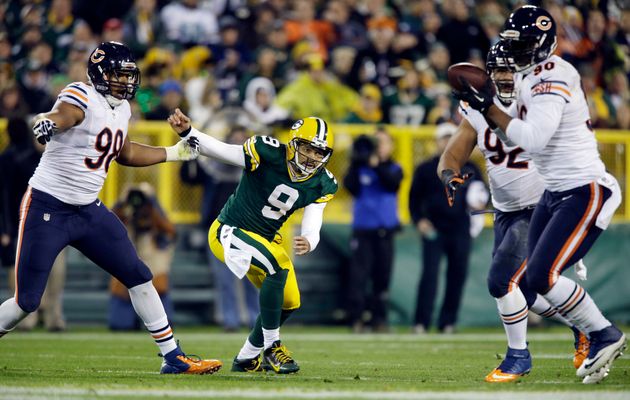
44 129
452 181
480 100
184 150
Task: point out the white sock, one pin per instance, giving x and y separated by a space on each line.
248 351
542 307
270 336
576 305
10 315
149 308
513 312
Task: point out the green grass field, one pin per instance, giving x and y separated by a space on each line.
93 363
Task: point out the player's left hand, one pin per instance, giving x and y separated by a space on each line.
480 100
184 150
301 245
44 129
452 181
179 122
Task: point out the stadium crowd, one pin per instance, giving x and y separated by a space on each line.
361 61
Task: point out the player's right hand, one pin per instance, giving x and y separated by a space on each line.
44 129
179 122
452 181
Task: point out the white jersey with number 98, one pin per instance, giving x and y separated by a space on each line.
75 163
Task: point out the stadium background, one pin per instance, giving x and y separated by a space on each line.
321 274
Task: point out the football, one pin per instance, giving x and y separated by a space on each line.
476 76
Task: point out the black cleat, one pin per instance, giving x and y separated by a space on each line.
278 359
247 365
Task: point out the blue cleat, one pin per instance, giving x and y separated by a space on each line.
516 364
176 362
606 345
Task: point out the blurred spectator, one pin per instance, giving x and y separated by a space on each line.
617 87
186 24
601 109
348 31
303 26
171 97
34 88
414 14
266 66
409 105
376 63
83 40
259 97
12 104
113 30
373 179
368 110
209 102
142 27
5 48
444 231
264 16
316 93
232 57
342 60
153 236
461 25
42 54
59 27
219 181
31 36
597 49
21 157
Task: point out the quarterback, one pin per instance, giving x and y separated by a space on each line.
85 131
552 124
516 187
278 180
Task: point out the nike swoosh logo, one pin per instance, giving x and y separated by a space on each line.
567 197
478 98
98 203
501 377
589 365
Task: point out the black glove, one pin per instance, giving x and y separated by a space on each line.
44 129
480 100
452 181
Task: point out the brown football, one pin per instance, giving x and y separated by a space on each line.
476 76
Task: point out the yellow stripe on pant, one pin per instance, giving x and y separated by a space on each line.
257 274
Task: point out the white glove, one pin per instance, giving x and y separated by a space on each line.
184 150
44 129
580 269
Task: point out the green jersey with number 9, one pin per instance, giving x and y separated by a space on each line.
267 195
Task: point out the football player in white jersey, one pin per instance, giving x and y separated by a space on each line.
580 197
85 131
516 187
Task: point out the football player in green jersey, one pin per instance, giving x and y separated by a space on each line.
278 179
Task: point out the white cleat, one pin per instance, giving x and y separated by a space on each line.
606 346
597 376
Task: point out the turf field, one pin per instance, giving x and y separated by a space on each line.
94 363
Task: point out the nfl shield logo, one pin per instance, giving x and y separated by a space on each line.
46 217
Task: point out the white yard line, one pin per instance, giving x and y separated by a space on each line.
324 337
76 393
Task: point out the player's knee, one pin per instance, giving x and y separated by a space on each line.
537 282
29 302
136 275
497 287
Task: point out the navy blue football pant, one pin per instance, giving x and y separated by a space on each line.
47 225
509 254
561 232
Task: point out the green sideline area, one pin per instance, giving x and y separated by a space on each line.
323 281
95 364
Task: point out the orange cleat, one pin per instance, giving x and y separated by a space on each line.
517 363
177 362
582 346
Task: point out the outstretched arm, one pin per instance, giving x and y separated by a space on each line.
311 225
208 146
458 149
135 154
61 118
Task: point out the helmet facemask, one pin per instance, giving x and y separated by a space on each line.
309 156
123 89
503 79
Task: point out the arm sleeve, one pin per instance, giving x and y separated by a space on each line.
351 181
541 123
211 147
312 223
390 176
